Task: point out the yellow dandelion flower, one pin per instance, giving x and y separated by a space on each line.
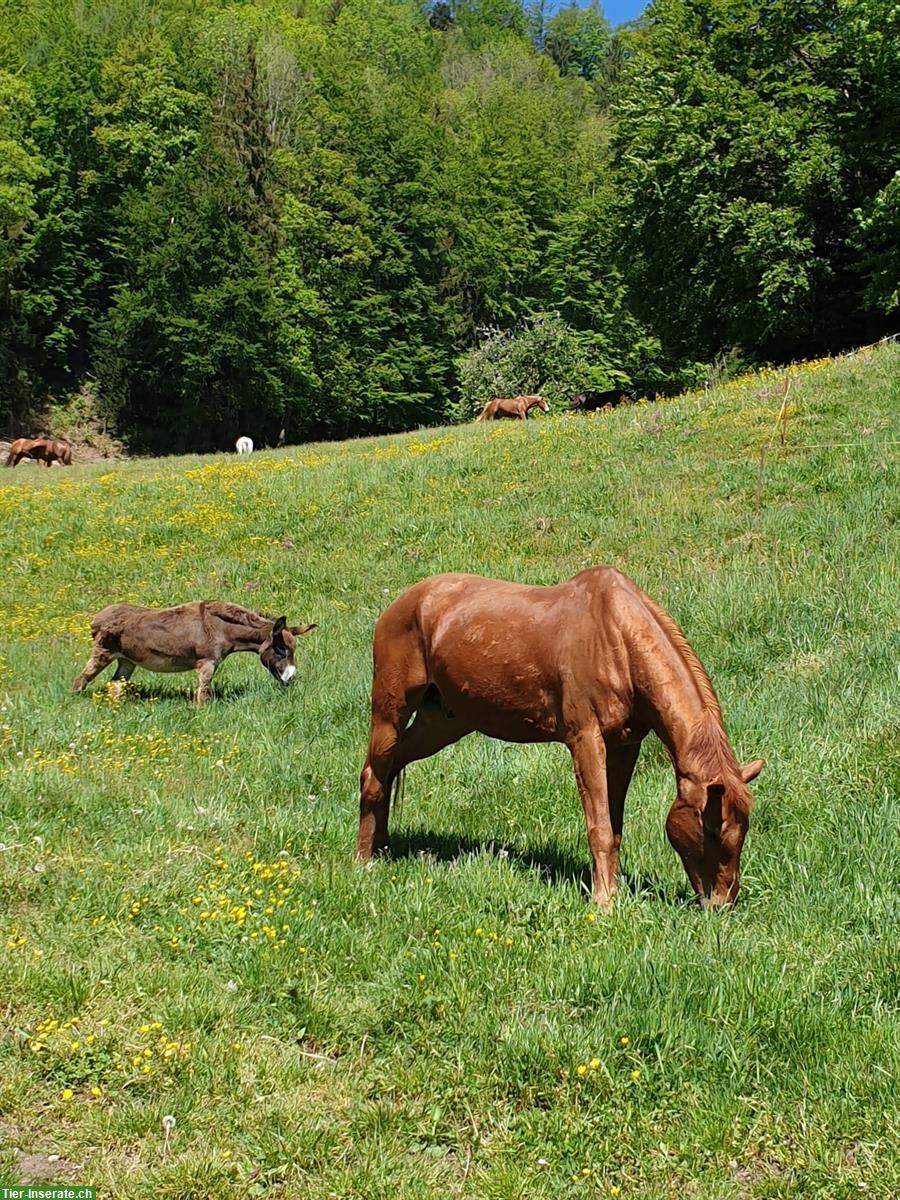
635 1074
614 1191
67 1093
624 1041
96 1092
595 1063
581 1069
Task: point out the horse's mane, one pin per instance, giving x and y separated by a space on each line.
233 614
687 652
708 740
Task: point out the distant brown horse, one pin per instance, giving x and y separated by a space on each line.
593 663
43 450
196 636
517 407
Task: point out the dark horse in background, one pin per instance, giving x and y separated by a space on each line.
45 450
592 401
593 663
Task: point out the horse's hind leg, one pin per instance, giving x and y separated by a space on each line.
375 784
390 712
430 732
99 661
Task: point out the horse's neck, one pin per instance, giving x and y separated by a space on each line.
683 710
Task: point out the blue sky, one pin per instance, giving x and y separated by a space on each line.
616 11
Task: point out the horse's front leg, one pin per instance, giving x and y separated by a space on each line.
620 761
206 668
588 751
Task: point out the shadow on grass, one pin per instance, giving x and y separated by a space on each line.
185 694
555 866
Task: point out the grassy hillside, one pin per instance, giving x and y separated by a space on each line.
182 930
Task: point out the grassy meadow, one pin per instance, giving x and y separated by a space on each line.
182 933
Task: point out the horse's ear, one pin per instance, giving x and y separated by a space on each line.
297 630
278 627
712 808
752 769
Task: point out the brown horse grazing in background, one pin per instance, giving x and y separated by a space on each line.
593 663
45 450
517 407
196 636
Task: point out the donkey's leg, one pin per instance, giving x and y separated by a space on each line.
205 671
99 661
588 751
124 671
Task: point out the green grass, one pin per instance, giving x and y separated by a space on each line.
417 1029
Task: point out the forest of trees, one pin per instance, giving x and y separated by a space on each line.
303 214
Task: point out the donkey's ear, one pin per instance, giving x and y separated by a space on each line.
712 808
752 769
297 630
278 627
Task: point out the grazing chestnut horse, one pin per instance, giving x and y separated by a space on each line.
517 407
592 663
196 636
44 450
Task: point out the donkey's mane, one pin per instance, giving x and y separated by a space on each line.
233 614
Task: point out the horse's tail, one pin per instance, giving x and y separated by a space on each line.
398 787
66 456
483 414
